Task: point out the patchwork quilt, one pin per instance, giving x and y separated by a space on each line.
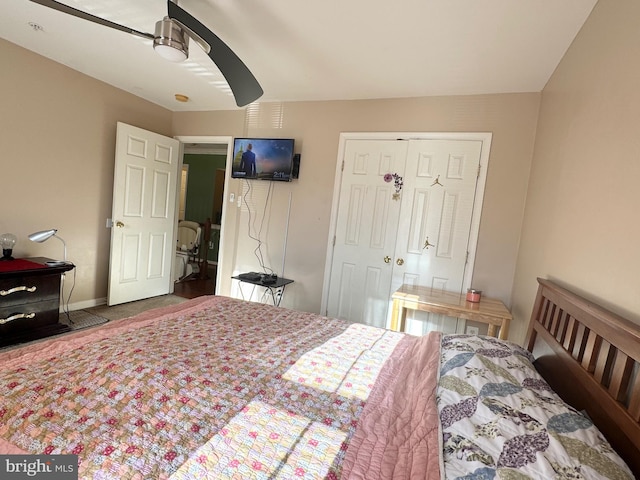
500 419
219 389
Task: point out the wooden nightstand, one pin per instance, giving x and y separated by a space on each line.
30 300
489 310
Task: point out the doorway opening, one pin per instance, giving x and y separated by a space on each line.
205 159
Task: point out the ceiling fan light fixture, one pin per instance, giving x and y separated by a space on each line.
171 42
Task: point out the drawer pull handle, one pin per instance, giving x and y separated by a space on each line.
4 293
17 316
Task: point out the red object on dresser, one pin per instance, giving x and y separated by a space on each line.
19 264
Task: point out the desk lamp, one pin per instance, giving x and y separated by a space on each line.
45 235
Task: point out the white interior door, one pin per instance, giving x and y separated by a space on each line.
435 224
366 234
143 215
431 230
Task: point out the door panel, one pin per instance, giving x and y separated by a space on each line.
160 198
157 249
367 221
438 212
143 214
134 191
130 258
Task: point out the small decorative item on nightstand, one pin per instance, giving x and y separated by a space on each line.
473 295
8 241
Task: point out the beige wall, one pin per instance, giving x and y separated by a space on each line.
57 134
316 126
581 223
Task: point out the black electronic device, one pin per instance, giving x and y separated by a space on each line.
295 171
263 159
269 279
251 276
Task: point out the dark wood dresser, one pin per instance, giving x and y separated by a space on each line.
30 300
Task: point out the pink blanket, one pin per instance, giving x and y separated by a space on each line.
220 388
398 432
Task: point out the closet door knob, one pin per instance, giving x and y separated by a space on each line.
119 224
400 261
387 259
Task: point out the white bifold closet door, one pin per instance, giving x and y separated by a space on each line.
412 226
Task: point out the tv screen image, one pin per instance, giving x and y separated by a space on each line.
263 158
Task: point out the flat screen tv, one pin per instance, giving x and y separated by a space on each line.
263 158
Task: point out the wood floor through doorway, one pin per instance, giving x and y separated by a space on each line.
193 286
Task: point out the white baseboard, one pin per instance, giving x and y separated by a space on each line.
85 304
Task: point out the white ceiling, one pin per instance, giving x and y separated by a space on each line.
302 50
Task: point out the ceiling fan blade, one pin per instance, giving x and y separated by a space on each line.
61 7
243 84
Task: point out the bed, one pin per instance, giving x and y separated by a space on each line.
222 388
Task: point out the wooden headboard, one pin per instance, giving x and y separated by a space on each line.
590 357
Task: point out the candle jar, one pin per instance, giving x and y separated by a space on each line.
473 295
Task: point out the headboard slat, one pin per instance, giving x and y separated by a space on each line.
555 321
620 376
562 330
591 351
545 314
634 402
570 340
583 333
604 363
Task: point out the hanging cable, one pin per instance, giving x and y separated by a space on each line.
65 305
256 236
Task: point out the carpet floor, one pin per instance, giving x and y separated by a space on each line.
91 317
79 319
130 309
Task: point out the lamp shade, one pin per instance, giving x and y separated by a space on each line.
171 42
43 235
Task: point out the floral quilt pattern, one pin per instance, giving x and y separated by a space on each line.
501 420
227 391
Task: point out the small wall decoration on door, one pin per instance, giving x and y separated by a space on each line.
398 183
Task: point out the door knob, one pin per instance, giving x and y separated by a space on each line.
119 224
387 259
400 261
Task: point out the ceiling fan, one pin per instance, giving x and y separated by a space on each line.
171 40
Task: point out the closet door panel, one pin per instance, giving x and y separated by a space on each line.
366 232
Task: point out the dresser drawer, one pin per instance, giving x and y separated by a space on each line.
28 316
19 290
